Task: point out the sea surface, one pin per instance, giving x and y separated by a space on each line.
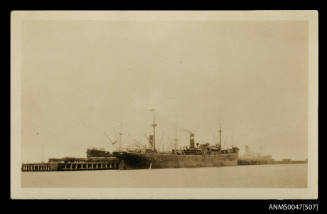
261 176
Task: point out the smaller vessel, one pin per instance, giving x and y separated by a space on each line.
95 152
251 158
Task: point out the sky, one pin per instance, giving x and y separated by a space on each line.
81 79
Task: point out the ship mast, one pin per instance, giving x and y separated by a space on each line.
120 133
175 140
120 140
220 131
175 143
154 129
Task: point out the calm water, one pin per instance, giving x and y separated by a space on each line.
286 175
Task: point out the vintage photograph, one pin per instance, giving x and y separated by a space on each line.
164 104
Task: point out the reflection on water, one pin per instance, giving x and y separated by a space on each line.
265 176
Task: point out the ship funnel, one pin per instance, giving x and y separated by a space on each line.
192 141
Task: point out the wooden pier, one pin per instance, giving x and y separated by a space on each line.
73 164
33 167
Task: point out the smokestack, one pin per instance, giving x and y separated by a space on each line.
192 141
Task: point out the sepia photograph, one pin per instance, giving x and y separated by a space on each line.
164 104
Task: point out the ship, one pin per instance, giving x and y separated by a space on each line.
251 158
195 155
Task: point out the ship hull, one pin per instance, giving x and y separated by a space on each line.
155 161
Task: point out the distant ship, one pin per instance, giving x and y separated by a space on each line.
199 155
251 158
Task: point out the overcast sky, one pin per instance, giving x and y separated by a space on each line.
82 78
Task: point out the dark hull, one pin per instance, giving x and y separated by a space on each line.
154 161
